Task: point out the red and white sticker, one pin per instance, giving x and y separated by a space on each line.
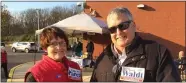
74 74
132 74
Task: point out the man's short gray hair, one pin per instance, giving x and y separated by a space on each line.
121 10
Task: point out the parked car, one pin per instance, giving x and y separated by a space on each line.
24 46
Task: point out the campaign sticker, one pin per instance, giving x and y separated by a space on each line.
74 74
58 76
132 74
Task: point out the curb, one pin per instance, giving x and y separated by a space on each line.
12 71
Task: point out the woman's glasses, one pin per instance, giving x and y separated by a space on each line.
121 26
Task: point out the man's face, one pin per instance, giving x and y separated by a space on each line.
121 38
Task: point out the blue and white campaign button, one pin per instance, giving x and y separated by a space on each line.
74 74
132 74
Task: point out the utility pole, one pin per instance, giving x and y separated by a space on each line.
38 48
38 28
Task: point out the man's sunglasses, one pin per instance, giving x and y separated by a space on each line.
121 26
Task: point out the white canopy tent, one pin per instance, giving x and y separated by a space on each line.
80 23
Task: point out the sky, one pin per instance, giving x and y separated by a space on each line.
21 6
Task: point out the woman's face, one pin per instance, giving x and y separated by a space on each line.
57 49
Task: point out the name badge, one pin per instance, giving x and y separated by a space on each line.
132 74
74 74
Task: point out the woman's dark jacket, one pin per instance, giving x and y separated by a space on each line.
90 47
155 58
79 47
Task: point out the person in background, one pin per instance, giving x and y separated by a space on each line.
90 50
54 66
74 48
79 48
181 62
4 61
131 58
178 61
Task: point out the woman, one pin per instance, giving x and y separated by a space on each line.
4 61
54 67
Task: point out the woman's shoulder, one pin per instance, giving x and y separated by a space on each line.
38 65
38 62
74 64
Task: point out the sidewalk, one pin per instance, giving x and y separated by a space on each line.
17 73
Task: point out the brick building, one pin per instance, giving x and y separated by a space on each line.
163 22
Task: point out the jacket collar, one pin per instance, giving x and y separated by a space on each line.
135 51
133 44
62 64
136 47
45 57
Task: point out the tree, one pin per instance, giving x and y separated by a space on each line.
26 22
29 19
5 21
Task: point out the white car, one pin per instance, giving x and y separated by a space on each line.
24 46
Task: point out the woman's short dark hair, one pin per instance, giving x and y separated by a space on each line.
49 33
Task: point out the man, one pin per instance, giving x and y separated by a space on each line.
129 57
90 50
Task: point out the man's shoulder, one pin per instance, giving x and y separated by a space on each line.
146 41
106 52
151 43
